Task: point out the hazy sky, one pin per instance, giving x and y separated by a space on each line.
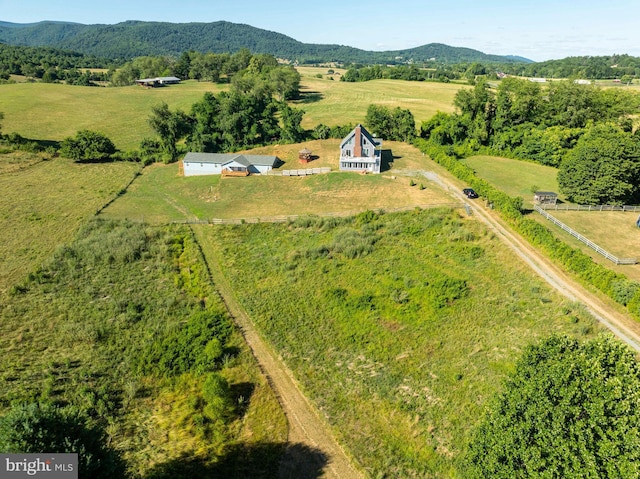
539 30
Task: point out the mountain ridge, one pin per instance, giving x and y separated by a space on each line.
134 38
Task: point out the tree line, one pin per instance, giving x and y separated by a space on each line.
591 67
50 64
584 130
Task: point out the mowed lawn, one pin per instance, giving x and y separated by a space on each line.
43 203
515 177
43 111
160 194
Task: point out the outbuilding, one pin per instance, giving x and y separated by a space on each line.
158 81
545 198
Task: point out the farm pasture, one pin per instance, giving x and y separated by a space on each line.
333 102
46 111
615 231
44 202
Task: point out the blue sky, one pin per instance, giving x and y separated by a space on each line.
539 30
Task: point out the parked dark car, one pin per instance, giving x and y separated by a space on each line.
469 193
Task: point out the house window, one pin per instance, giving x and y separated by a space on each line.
348 152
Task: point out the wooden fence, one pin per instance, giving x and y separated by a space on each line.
299 172
567 207
585 240
287 218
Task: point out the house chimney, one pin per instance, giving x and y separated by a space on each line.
357 149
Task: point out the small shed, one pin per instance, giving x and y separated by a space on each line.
545 198
304 155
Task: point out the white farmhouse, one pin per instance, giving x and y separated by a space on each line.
359 151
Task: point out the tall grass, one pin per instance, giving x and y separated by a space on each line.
44 203
124 324
400 327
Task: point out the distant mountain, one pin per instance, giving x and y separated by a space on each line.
136 38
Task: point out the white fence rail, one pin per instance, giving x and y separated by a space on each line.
566 207
299 172
585 240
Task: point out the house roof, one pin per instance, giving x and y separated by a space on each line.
158 79
224 158
365 133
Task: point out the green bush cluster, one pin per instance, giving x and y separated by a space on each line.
197 346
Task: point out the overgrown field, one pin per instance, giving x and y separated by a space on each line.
44 202
515 177
160 195
45 111
400 327
124 324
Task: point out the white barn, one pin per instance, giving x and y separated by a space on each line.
198 164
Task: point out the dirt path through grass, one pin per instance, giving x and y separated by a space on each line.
312 451
619 323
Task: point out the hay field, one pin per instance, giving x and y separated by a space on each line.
333 102
45 111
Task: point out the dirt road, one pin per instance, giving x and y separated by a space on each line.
604 310
312 451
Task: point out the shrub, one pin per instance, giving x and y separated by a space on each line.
43 427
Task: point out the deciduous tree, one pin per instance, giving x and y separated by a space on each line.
170 127
44 428
88 145
603 167
570 409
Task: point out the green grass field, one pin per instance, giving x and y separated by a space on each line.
45 202
43 111
54 111
159 195
333 102
77 330
515 177
400 327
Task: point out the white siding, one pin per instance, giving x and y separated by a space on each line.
194 168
